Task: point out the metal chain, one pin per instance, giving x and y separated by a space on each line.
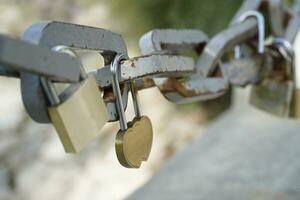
179 77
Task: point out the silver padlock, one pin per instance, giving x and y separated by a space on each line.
274 92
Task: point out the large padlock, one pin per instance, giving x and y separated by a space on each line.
274 92
134 139
78 113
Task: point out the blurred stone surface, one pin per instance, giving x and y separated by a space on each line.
34 166
245 154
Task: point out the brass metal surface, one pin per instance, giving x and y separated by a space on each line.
79 119
134 145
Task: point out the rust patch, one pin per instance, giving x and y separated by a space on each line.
175 85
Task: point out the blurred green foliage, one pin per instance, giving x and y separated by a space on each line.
141 16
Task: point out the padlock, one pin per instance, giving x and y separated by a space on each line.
274 92
78 113
290 56
134 139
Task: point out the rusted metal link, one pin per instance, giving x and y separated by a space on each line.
147 67
185 89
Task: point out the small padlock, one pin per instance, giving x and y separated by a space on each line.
78 113
134 139
274 92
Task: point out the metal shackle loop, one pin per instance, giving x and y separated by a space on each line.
285 47
115 73
47 84
135 99
261 31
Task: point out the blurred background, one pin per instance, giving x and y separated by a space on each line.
33 164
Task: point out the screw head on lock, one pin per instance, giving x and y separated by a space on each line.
134 139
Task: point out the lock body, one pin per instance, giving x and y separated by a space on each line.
273 96
80 116
133 145
295 107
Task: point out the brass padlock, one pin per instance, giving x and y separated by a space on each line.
78 113
274 92
134 139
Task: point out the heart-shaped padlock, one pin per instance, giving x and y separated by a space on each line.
134 139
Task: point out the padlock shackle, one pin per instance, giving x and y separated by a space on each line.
50 91
286 46
135 99
71 52
117 91
115 74
261 31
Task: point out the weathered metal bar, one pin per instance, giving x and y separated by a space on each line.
191 88
170 40
23 56
277 17
147 67
9 72
294 24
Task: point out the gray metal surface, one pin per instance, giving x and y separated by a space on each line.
22 56
170 40
9 72
192 88
277 16
223 42
147 67
246 154
52 34
294 24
